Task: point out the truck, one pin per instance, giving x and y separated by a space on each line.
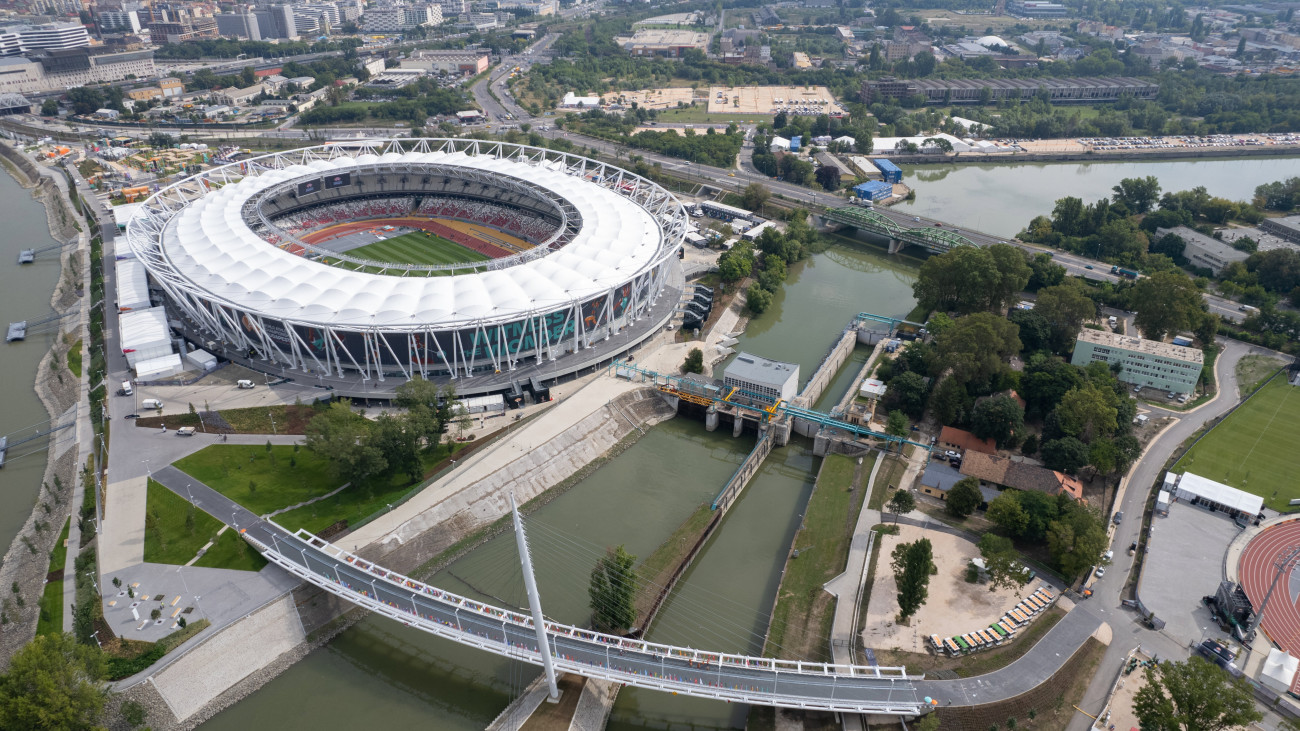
1124 272
126 389
185 431
151 403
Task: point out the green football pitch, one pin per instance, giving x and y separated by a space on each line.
418 248
1248 450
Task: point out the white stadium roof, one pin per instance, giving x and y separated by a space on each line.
209 244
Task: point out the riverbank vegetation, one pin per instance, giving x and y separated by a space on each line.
767 259
800 627
50 621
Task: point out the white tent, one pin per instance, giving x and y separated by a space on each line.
132 286
144 334
481 404
160 367
1279 671
201 359
1194 486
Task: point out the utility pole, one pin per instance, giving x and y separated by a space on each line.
534 600
1285 560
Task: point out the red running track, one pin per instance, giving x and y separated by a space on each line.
1281 622
433 227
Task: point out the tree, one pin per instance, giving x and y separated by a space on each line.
1006 513
828 177
428 409
1166 302
969 278
907 391
896 424
997 418
50 108
902 502
1087 411
340 436
912 564
694 361
1066 307
612 591
977 346
1001 562
1066 454
1139 195
53 683
754 196
399 446
1044 272
1193 696
1076 539
964 497
757 299
85 99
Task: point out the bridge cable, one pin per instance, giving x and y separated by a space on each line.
706 617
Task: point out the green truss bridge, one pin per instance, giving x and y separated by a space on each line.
935 239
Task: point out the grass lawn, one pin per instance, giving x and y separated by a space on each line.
1253 369
74 359
359 501
418 248
50 621
1248 449
231 552
277 419
279 478
167 539
801 620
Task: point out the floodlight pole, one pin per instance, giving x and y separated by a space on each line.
1285 560
534 600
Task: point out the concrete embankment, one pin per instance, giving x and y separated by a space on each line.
25 564
822 377
239 659
1177 153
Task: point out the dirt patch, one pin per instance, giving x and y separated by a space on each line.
557 716
954 606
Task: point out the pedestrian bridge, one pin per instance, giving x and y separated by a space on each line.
934 239
699 673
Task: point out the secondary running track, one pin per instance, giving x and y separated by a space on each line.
1281 622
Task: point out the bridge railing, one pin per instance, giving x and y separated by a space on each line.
525 621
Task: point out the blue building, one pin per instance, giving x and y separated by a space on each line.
892 173
795 142
873 190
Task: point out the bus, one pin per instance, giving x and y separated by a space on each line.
725 212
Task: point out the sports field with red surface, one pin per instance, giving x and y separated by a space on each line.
1281 620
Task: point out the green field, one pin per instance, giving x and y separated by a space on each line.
418 248
1248 450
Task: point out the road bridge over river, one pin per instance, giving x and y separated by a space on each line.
934 238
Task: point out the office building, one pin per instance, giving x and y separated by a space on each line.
972 91
1146 363
18 39
276 21
1036 9
122 21
399 18
1203 251
238 25
62 69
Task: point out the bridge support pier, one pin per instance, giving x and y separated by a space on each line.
738 426
895 245
781 431
711 419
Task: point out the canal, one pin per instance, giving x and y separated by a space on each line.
24 294
637 500
1003 198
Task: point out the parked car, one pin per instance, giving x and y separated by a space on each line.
1119 517
1101 571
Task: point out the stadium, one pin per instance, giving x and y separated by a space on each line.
358 262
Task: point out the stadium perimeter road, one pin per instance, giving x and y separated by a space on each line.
1128 633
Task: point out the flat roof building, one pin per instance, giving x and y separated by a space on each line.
968 91
1285 228
1204 251
669 43
1146 363
768 378
453 61
1218 494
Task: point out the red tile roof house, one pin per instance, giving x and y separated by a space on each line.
963 441
1002 472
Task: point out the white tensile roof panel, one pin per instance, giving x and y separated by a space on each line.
210 244
132 284
1220 493
143 329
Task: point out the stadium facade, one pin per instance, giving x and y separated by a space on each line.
229 249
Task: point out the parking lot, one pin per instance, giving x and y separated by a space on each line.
1184 563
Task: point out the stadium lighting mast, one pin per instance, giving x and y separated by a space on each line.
534 600
1285 560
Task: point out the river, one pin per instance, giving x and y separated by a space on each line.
1002 199
637 499
24 294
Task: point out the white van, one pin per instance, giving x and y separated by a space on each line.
126 389
244 383
151 403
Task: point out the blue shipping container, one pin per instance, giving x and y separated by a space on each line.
795 142
874 190
891 172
